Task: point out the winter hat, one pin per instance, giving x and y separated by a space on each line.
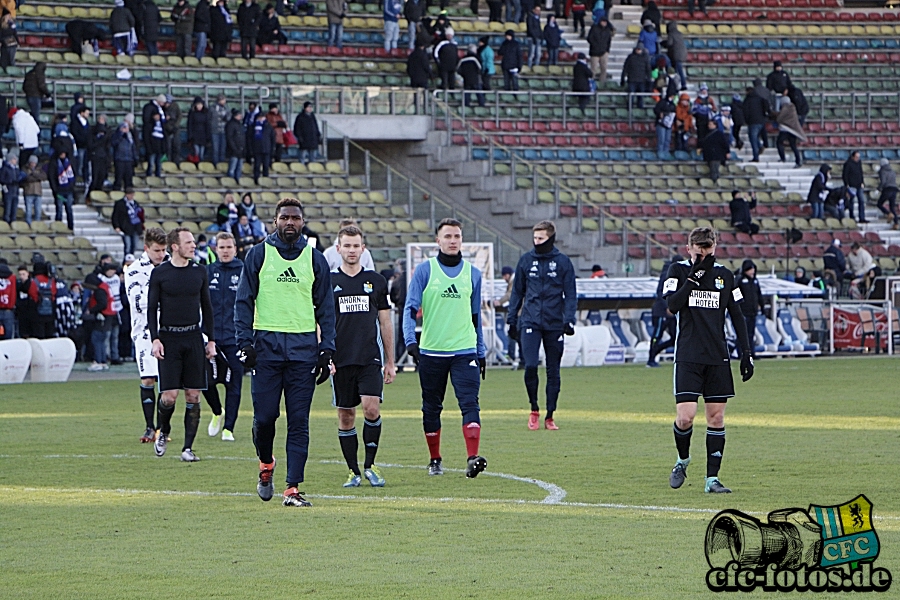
473 48
736 97
777 64
161 99
507 271
884 162
648 23
726 108
13 153
836 242
704 87
510 33
824 168
129 258
639 46
169 99
33 159
580 56
747 265
785 100
235 112
305 104
120 2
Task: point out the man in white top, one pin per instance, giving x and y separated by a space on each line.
137 285
334 258
27 132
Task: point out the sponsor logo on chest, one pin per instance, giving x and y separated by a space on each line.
353 304
703 299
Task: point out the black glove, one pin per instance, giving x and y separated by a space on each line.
746 366
413 350
513 333
700 268
569 329
247 356
482 366
323 367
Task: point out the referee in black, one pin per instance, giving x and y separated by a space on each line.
179 290
698 292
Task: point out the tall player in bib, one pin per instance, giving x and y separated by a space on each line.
448 290
698 292
137 288
364 356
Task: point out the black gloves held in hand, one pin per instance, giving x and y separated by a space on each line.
746 366
569 329
247 356
482 366
323 367
700 268
413 350
513 333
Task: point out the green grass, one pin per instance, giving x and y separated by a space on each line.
88 512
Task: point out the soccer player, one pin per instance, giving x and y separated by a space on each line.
137 288
284 295
364 357
698 292
224 275
448 290
544 290
179 291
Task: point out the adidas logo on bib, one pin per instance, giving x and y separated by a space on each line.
451 292
288 276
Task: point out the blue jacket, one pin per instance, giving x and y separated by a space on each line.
275 346
223 285
486 57
392 10
123 147
544 289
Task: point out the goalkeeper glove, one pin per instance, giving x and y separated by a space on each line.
247 356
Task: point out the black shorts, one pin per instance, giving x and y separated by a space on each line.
352 381
713 382
184 366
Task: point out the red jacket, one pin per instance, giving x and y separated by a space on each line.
103 302
8 293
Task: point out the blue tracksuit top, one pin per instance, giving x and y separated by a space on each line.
278 346
544 288
223 285
414 303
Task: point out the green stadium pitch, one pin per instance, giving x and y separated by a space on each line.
86 511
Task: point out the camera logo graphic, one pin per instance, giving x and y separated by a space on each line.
823 548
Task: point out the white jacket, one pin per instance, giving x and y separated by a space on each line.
27 130
137 288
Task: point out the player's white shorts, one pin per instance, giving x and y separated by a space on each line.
147 365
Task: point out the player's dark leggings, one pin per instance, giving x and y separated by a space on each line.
530 340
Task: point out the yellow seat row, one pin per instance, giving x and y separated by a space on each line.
782 30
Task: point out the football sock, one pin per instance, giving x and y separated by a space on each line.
349 447
191 423
531 386
433 440
371 437
472 433
148 400
263 439
164 416
683 441
549 415
715 447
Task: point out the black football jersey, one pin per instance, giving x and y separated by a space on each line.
701 322
357 301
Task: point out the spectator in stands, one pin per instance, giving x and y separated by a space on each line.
834 260
756 112
535 35
599 40
42 294
665 120
24 306
737 120
152 17
724 123
202 27
221 25
798 100
250 115
249 15
35 88
8 297
852 177
470 71
636 71
446 54
128 221
393 9
651 13
183 16
98 153
863 267
125 156
677 51
414 10
790 130
199 128
99 313
740 208
778 81
82 32
26 131
715 151
153 123
800 276
235 144
753 303
579 9
244 236
270 28
219 117
9 40
513 11
121 22
81 134
818 192
581 80
77 104
248 207
703 109
510 61
11 176
597 272
418 67
62 182
32 189
262 144
684 122
486 58
62 138
137 9
553 38
173 129
887 192
279 126
649 38
336 10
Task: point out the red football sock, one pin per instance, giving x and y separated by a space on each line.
472 433
434 444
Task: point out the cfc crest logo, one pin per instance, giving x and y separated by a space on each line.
288 276
367 287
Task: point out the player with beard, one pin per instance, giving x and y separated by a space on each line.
698 292
137 288
364 358
283 298
178 298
